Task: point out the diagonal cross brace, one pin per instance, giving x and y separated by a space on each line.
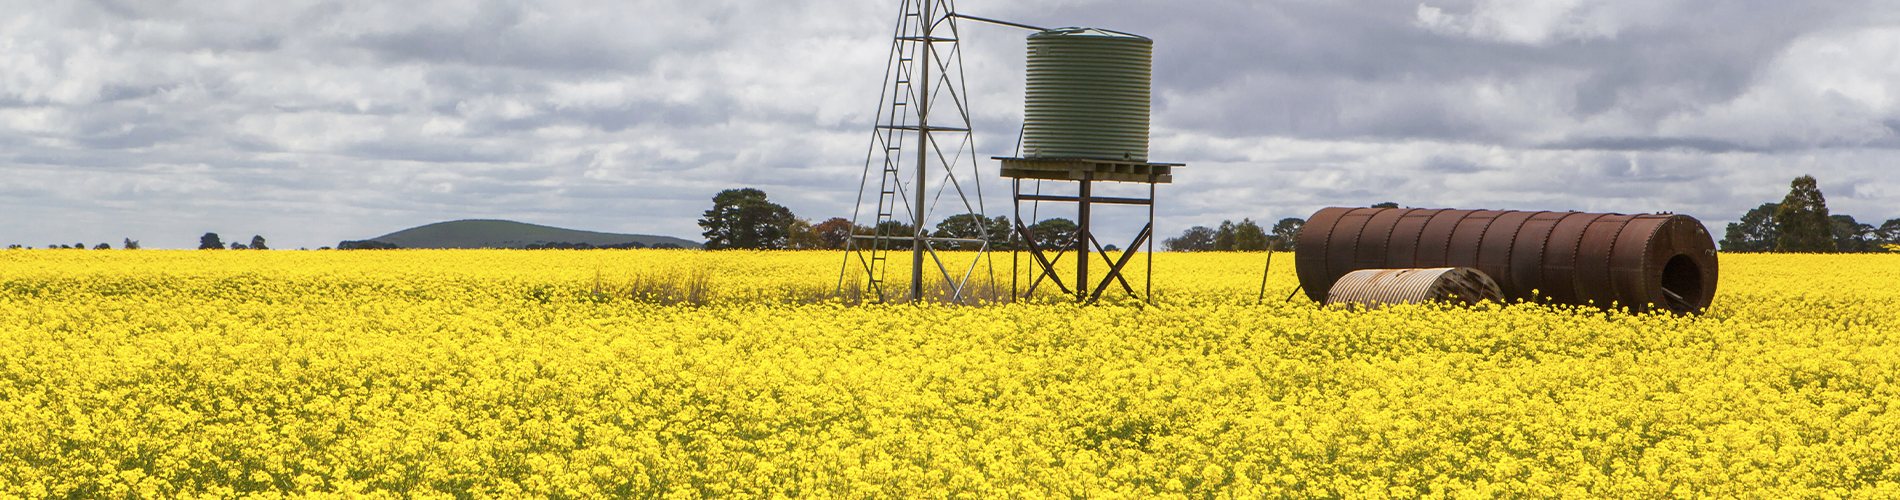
1046 274
1115 272
1048 269
1112 265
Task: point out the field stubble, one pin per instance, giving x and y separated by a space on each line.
673 374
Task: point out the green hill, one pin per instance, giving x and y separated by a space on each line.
511 234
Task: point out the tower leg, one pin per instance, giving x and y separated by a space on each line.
1082 236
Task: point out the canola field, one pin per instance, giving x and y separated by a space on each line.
548 374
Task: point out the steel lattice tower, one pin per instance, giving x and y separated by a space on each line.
923 112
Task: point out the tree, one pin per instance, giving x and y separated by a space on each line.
744 219
1386 205
1054 234
1851 236
1286 234
1194 239
1248 237
1889 232
976 227
1755 233
1802 220
210 241
365 245
800 235
130 244
257 243
902 235
833 233
1224 237
102 246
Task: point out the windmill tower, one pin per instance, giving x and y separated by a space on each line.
921 152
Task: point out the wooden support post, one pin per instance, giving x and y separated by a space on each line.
1082 237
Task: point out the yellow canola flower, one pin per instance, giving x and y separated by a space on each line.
585 374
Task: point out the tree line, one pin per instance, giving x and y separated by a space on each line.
211 241
1246 236
130 244
746 219
1801 223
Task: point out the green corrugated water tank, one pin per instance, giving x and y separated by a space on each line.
1087 95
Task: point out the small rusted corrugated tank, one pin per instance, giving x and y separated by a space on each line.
1643 262
1376 288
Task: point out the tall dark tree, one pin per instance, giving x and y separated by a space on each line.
1224 237
1286 234
1054 234
131 244
1194 239
1802 219
833 233
1248 237
976 227
1755 233
1889 232
1851 236
210 241
744 219
257 243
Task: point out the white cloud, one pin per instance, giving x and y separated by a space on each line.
1837 88
349 119
1543 22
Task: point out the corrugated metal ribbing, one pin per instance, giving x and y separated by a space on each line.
1643 262
1087 95
1373 288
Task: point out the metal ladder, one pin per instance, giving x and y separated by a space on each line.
918 73
891 138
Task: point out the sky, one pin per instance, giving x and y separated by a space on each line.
309 123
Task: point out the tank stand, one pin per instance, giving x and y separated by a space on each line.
1085 173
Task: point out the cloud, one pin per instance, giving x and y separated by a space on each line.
1702 144
350 119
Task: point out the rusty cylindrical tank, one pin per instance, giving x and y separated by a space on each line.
1642 262
1374 288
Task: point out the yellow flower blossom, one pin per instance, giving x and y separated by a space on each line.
508 374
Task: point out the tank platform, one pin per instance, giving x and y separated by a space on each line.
1079 169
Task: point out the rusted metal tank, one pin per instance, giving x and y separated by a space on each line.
1642 262
1374 288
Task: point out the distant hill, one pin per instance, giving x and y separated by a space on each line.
510 234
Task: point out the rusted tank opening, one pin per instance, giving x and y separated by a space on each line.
1681 283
